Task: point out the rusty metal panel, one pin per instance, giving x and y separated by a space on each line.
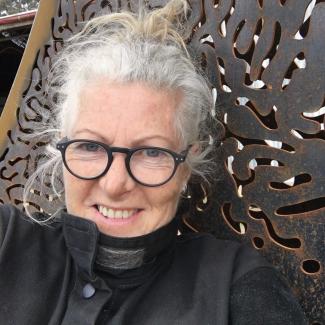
265 59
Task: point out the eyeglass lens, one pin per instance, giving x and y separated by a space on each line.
149 166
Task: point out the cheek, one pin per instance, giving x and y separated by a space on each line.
173 192
165 199
75 191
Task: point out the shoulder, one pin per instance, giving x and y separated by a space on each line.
16 228
9 217
228 256
262 296
6 211
256 291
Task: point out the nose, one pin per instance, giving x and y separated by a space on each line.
117 180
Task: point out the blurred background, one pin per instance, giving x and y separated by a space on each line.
16 18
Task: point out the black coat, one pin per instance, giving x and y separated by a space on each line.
47 276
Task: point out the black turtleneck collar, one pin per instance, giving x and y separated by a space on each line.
128 253
92 250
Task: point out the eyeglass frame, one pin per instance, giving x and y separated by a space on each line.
179 158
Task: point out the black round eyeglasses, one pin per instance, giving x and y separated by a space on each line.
149 166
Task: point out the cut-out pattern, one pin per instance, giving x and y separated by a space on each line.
258 242
239 227
311 266
257 214
291 182
266 62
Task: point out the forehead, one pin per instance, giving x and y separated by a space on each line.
127 112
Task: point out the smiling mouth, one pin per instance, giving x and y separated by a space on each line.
116 214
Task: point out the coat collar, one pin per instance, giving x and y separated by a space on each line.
84 241
81 236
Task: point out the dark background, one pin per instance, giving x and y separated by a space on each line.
13 38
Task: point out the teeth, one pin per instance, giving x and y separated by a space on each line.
115 214
108 213
118 214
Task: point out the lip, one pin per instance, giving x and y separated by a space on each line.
114 208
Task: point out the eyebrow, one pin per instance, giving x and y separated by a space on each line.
134 143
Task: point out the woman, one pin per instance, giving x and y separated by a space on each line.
131 117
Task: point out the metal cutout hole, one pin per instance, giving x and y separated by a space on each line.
238 227
302 207
268 120
216 3
297 180
256 213
311 266
258 242
223 23
297 63
277 37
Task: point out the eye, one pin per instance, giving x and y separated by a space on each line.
86 147
89 146
152 153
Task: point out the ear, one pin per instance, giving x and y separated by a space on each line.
195 149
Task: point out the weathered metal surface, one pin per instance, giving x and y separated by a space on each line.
266 60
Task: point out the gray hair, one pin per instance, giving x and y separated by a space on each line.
146 47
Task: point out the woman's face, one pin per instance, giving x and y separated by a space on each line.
125 115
